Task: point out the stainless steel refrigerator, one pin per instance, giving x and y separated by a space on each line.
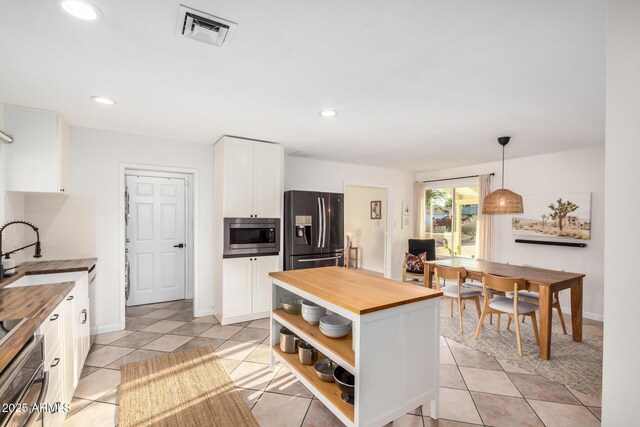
313 229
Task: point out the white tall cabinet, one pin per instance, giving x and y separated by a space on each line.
248 183
38 158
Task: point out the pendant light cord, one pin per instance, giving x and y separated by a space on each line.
503 167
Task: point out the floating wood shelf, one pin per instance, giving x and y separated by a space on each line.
307 373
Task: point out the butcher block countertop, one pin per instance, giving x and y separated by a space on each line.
33 303
360 293
50 267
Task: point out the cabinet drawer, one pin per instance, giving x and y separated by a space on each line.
52 336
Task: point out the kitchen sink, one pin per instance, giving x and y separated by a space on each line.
45 279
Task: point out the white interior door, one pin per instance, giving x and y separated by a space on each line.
156 234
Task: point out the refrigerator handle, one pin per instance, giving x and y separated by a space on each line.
324 220
319 223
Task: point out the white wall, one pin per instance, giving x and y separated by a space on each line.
319 175
366 233
96 157
573 171
621 376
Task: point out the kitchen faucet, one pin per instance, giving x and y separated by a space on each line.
38 249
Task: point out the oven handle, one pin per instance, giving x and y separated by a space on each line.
319 259
41 397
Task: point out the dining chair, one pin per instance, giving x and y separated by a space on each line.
534 298
457 292
512 307
417 247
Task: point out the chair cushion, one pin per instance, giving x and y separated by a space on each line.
416 272
452 291
505 305
415 263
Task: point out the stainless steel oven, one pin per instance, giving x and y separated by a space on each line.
23 387
251 236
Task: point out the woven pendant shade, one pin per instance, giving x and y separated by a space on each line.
502 202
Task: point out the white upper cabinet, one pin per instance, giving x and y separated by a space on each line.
267 172
238 178
252 178
38 158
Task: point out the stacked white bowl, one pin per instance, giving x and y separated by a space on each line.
312 312
335 326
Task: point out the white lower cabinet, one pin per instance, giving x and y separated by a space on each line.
53 332
66 345
247 287
238 285
261 297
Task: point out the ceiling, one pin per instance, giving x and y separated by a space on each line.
418 84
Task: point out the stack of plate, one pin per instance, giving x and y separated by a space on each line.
335 326
312 312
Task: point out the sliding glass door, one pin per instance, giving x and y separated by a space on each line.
451 218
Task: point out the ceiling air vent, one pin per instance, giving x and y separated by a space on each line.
203 27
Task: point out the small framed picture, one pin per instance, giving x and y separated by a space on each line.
376 209
406 221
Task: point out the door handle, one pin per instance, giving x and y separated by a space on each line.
324 222
55 363
181 245
319 223
84 312
55 317
70 298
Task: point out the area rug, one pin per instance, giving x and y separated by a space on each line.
576 364
189 388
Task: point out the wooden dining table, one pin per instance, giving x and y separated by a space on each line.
545 282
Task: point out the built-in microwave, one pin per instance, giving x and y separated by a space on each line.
251 237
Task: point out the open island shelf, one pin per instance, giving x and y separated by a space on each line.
338 349
393 350
306 374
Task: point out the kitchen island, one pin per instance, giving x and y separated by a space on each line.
393 350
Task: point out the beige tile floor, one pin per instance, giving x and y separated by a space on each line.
476 389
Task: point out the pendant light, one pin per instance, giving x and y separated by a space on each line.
503 201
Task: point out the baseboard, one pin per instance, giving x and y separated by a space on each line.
188 296
566 311
202 313
248 317
105 329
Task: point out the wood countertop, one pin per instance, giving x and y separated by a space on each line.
360 293
33 303
49 267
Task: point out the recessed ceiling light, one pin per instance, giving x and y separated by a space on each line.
328 113
81 9
103 100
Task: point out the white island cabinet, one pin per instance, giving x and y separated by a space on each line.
393 351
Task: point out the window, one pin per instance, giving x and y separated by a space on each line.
451 218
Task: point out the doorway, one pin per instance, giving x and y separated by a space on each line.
187 179
366 223
156 238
